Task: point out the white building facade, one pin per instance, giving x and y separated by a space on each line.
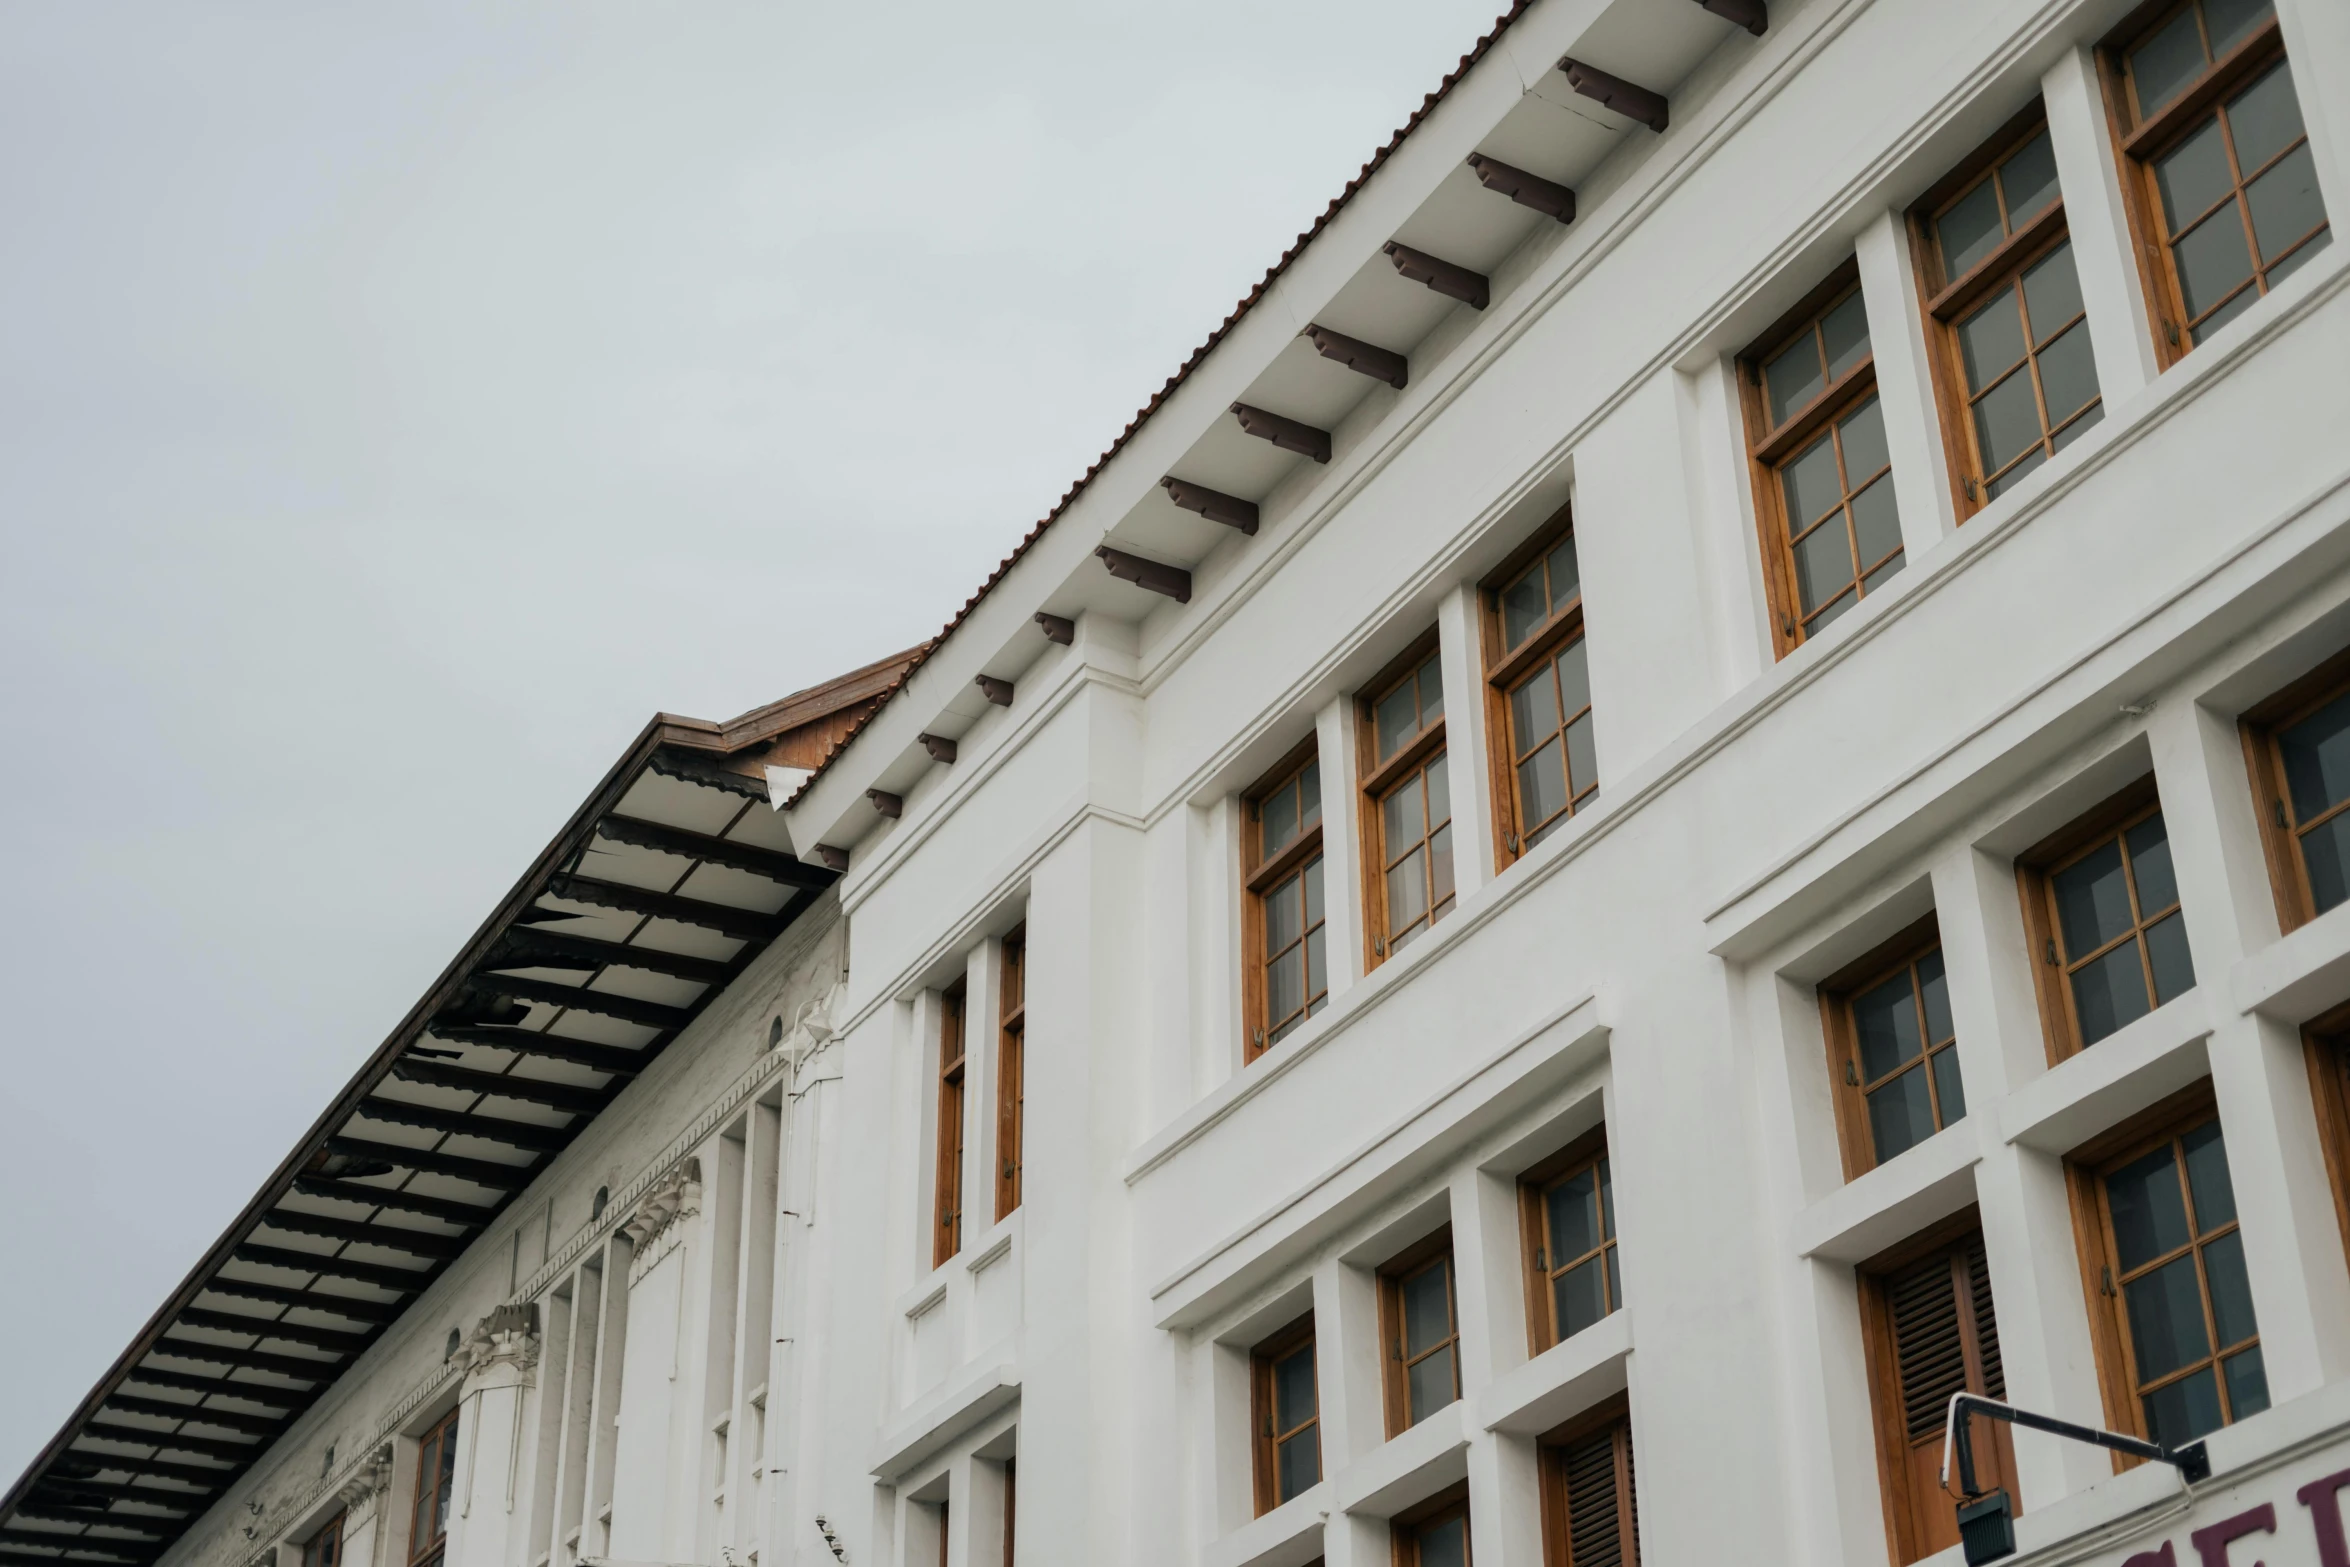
1678 799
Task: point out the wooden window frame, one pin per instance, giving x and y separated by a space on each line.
1434 1250
2137 145
1011 1504
2280 830
1613 1416
1011 1068
2036 870
1380 779
2326 1045
1264 1441
1994 1450
2086 1168
436 1452
1945 300
1845 1083
1408 1526
946 1228
1534 1189
325 1547
1770 448
1508 667
1260 876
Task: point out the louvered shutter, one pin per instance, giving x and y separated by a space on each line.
1595 1476
1945 1336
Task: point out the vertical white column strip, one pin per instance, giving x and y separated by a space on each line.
1905 384
2090 173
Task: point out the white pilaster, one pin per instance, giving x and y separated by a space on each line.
1342 900
2087 169
1460 658
501 1358
1905 384
2317 41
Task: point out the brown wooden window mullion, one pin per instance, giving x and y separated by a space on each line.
1284 914
1540 728
1567 1217
947 1206
1011 1071
1285 1415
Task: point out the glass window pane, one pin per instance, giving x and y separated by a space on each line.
1815 624
1427 1309
1811 484
2247 1383
1431 692
2265 118
2192 175
2029 180
1301 1464
1793 378
1431 1384
1581 1297
2214 1193
1969 231
1542 785
1574 667
1523 607
2166 1319
1947 1085
2231 1289
1534 710
2052 293
1400 818
1876 522
2316 754
2167 954
2068 374
1440 871
1823 564
2007 422
1285 986
1863 434
1284 921
2081 425
2326 851
1397 718
1844 332
2110 993
1934 987
2202 330
2166 64
1885 1021
1582 764
1566 576
1278 820
2158 884
1439 778
2092 900
1313 884
1886 571
2230 21
1317 972
1309 795
2292 263
1991 340
1994 488
2285 203
1407 893
1573 1206
1900 1114
2213 259
2149 1216
1446 1545
1293 1389
2185 1410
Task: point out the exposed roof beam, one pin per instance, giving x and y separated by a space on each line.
1613 92
555 1096
743 924
147 1529
1056 628
409 1279
217 1446
191 1501
339 1340
526 1135
1547 197
1156 576
1473 289
88 1549
219 1387
417 1243
648 1014
79 1461
258 1425
524 942
377 1311
481 1172
890 805
317 1371
1753 15
1288 434
1215 505
1380 364
693 770
662 838
942 749
468 1213
833 856
616 1060
997 692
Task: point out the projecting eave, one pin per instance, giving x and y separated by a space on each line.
666 883
1361 326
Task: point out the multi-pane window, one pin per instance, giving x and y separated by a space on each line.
326 1546
1567 1206
1831 533
1589 1518
2224 192
2016 368
1893 1050
2171 1287
1539 675
1408 805
1288 978
1423 1333
1011 1051
1435 1533
1927 1315
1287 1409
436 1474
947 1183
2327 1045
2299 745
2102 908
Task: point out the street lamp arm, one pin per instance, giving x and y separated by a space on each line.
2192 1462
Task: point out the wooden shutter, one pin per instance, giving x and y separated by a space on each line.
1587 1494
1939 1336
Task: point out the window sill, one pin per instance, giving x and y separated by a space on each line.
1896 1199
2112 1080
1564 1380
1409 1467
2300 976
1288 1536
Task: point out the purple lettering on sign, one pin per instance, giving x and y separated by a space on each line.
2212 1544
2164 1557
2325 1515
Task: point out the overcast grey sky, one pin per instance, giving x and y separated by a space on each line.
399 403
